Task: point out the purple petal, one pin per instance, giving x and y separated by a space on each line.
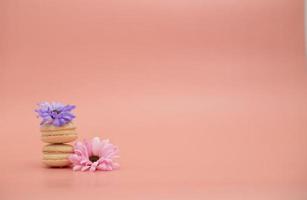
68 108
56 122
62 122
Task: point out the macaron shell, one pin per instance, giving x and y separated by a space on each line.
58 148
58 137
46 128
56 160
57 163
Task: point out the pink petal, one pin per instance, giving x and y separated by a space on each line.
74 158
107 160
81 149
96 146
84 168
76 167
89 147
110 152
100 167
85 161
106 167
104 144
115 165
93 167
109 168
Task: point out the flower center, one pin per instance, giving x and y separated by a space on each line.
93 158
57 112
54 113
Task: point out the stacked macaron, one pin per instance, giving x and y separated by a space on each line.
57 129
56 155
62 134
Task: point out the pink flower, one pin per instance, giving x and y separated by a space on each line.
94 155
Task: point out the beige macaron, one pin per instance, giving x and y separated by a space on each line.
62 134
56 155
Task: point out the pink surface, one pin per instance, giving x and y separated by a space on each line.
206 99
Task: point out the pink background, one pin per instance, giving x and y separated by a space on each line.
206 99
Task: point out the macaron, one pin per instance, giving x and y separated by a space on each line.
61 134
56 155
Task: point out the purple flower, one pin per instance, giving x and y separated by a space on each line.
54 113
